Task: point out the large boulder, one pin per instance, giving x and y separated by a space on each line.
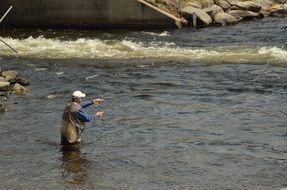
223 4
249 6
265 6
214 9
202 15
207 3
239 14
194 3
224 19
279 9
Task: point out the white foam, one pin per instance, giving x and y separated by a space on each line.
127 49
274 52
164 33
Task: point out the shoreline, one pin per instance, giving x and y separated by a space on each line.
92 14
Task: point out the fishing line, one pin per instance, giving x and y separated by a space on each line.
8 45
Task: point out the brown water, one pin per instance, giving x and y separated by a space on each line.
185 109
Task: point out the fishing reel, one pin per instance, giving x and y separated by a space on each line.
97 102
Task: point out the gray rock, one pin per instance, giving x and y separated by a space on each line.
224 19
202 15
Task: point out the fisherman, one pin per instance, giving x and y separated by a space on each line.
75 117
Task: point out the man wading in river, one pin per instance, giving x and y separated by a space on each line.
75 117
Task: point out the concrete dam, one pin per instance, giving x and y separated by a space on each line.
82 14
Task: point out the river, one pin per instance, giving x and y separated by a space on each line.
184 109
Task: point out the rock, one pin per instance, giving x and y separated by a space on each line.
223 4
266 6
4 86
5 94
249 6
280 1
2 78
20 81
232 2
202 15
195 4
224 19
207 3
213 10
238 14
9 75
3 109
18 89
279 9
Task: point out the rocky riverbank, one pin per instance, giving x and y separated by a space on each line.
11 83
222 12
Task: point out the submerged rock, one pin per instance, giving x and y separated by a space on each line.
9 75
4 86
3 109
18 89
20 81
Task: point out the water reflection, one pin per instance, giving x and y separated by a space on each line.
74 165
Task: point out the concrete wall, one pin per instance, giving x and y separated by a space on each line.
82 13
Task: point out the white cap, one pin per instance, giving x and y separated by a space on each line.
78 94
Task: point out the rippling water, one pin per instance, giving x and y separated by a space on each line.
185 109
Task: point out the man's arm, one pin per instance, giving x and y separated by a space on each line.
84 116
85 104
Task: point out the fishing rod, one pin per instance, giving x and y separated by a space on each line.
6 13
0 22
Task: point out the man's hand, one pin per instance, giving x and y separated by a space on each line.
99 114
98 101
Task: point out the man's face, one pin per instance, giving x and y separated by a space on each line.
79 100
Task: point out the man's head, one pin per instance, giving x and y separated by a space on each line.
78 96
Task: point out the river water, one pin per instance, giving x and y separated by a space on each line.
185 109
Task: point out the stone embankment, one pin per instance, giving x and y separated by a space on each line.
223 12
11 83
